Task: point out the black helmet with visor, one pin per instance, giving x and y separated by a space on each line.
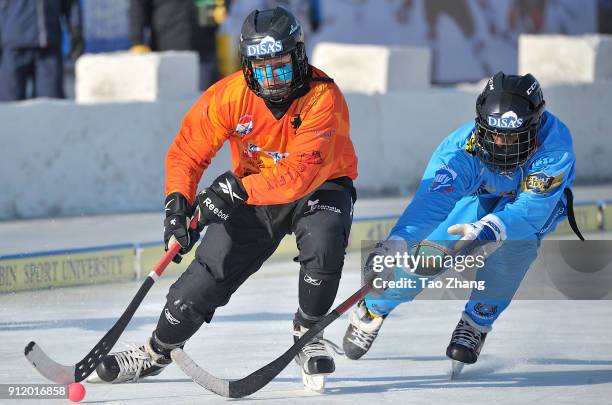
508 117
272 54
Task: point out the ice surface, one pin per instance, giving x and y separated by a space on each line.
549 352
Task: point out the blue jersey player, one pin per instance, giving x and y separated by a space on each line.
500 179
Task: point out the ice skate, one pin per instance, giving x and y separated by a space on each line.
466 343
315 361
130 365
361 332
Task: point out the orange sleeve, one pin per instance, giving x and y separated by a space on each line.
318 142
201 135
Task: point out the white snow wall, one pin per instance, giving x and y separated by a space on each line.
61 158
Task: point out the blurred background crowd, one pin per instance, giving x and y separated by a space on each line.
40 40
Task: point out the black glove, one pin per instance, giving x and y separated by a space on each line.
369 268
218 201
178 217
377 267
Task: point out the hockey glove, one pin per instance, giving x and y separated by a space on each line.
218 201
176 225
480 238
381 262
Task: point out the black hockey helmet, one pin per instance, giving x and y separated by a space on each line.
266 35
508 115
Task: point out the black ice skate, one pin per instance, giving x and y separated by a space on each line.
315 361
361 332
130 365
466 343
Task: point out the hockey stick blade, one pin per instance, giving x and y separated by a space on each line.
61 374
260 378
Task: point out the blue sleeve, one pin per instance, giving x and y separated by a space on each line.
449 176
541 189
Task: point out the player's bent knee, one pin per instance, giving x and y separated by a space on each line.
323 252
180 310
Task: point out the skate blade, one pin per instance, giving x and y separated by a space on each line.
314 382
456 367
94 378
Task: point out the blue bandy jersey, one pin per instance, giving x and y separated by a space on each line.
532 192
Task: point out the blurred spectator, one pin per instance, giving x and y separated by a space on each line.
308 12
162 25
527 16
106 25
211 14
179 25
604 13
31 46
459 12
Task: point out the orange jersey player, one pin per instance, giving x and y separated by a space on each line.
293 166
281 152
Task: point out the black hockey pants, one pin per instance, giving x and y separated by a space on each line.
229 253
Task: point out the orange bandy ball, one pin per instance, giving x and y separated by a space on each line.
76 392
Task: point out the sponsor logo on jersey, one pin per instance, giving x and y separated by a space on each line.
276 156
314 157
509 120
541 183
485 189
470 145
489 189
245 125
542 162
268 45
559 211
443 180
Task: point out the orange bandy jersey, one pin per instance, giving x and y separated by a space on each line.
279 161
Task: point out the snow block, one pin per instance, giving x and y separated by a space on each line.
373 69
124 76
564 59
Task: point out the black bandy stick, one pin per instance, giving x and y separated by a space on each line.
260 378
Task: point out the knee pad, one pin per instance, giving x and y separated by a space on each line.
180 310
322 249
317 291
327 274
178 322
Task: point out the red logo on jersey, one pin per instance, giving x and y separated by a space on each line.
245 125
